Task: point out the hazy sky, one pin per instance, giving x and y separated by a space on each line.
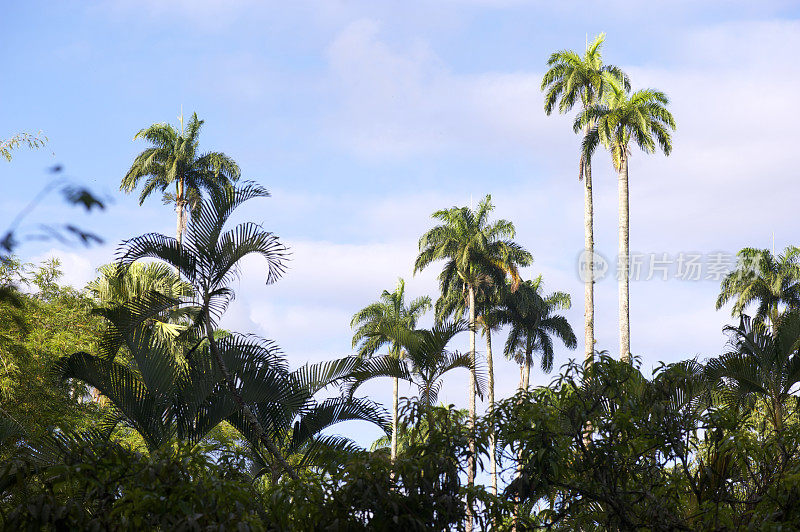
364 117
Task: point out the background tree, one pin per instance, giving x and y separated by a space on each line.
390 311
173 160
771 283
641 117
572 79
426 362
533 325
760 363
209 260
473 249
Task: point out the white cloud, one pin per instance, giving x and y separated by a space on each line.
400 103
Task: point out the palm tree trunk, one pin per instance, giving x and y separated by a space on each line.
492 444
524 380
395 408
588 237
255 425
180 211
471 423
624 261
526 374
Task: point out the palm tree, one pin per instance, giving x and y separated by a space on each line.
641 117
489 323
298 420
771 283
115 285
569 80
487 297
173 161
761 363
425 363
534 323
391 310
209 260
165 399
474 251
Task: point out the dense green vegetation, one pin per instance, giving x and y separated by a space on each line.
125 406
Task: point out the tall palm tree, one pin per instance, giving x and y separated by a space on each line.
534 323
391 310
487 297
760 363
209 260
473 250
641 117
489 324
771 283
173 160
572 79
427 359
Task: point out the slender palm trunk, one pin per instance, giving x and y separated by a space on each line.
588 236
624 261
471 423
180 210
492 443
395 409
524 381
526 374
255 425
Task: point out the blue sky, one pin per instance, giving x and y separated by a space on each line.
364 117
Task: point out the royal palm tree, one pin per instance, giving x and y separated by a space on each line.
474 250
390 311
488 296
621 118
761 363
209 259
489 324
573 79
770 283
173 160
534 323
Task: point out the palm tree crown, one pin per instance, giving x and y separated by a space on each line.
641 117
173 161
391 309
572 78
475 250
534 323
763 280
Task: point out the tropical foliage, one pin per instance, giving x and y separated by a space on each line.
127 406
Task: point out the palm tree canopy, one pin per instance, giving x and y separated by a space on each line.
476 251
116 285
391 310
172 159
572 78
763 280
209 256
426 359
641 117
760 361
534 323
